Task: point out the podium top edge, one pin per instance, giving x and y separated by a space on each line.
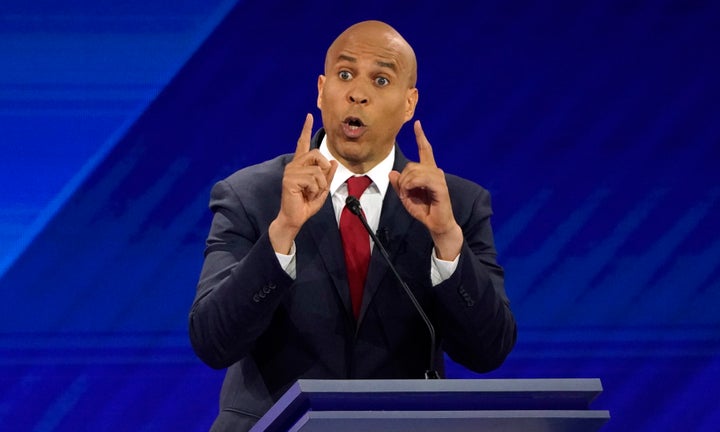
451 385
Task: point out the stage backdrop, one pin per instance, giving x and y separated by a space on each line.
595 126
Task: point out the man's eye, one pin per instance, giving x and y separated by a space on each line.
382 81
345 75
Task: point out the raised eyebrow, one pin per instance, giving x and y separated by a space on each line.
388 65
384 64
347 58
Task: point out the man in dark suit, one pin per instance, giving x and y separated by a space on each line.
274 302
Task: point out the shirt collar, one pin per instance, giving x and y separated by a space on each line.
379 174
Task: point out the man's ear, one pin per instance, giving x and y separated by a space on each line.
321 84
411 101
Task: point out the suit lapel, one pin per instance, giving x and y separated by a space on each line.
398 222
325 234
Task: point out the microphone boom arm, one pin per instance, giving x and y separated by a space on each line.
353 205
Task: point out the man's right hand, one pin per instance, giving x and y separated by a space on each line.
305 186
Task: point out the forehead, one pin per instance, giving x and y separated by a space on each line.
374 47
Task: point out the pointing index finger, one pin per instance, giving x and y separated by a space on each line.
425 152
303 144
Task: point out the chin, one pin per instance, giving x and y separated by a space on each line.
352 152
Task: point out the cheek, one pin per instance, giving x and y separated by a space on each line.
331 97
396 110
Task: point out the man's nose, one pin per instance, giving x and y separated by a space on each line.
358 99
357 96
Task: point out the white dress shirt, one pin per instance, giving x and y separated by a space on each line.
371 202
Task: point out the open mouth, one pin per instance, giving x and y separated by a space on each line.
353 127
353 122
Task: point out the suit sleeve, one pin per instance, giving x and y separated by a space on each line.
241 283
472 309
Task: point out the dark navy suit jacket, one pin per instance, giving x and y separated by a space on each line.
269 330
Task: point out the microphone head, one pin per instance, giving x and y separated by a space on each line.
353 204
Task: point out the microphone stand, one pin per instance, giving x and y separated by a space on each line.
353 205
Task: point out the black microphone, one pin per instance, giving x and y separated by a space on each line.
353 204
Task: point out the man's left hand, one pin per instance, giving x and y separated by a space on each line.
423 191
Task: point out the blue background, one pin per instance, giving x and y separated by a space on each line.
595 125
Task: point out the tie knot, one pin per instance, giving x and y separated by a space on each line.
357 185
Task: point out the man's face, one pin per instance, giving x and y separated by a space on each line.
366 95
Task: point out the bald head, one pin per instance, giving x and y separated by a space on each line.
376 35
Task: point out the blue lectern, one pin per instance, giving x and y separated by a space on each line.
487 405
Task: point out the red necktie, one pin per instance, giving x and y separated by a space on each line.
356 244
